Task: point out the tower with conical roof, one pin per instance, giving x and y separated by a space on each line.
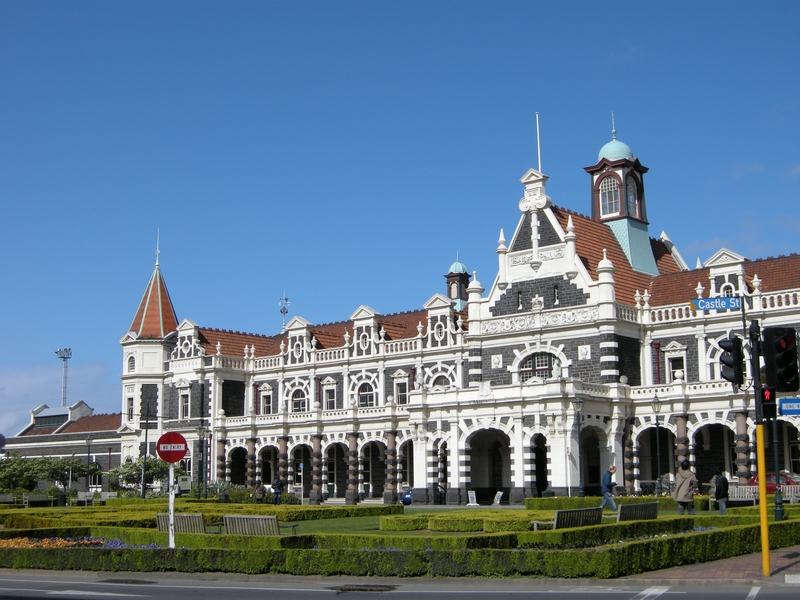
618 200
146 349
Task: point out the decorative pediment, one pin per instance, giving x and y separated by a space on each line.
399 374
128 338
533 176
182 383
438 301
673 346
126 430
297 323
264 387
724 257
329 381
363 312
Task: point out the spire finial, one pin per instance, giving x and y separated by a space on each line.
613 127
158 244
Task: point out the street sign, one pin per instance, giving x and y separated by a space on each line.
790 406
171 447
721 303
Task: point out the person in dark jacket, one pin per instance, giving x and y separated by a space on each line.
608 485
721 491
277 488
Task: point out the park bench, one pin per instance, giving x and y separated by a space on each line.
576 517
791 493
106 496
7 499
184 522
255 525
84 499
739 493
30 500
635 512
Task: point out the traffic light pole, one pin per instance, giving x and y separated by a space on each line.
755 367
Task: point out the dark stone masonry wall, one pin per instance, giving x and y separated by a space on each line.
523 292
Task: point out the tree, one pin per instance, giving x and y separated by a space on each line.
130 472
17 472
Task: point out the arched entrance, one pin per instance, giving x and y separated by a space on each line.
540 464
266 465
405 462
650 469
788 447
336 471
373 465
714 447
590 462
490 464
238 458
300 468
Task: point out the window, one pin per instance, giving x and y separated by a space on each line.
266 404
131 364
727 290
186 464
401 392
299 401
633 196
555 295
609 196
366 395
184 406
130 409
676 363
536 365
330 399
454 290
441 381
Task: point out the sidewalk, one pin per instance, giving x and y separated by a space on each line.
784 567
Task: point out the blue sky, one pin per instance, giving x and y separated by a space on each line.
346 151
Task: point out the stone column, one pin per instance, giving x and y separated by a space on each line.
251 462
351 495
282 459
681 440
390 489
315 496
742 449
627 458
220 460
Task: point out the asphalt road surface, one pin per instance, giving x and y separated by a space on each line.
159 586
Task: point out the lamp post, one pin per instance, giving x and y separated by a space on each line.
657 409
201 454
578 402
88 460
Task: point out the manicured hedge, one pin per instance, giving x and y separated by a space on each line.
567 502
614 560
489 521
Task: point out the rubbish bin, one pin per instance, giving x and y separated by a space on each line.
224 498
331 490
548 494
61 499
366 491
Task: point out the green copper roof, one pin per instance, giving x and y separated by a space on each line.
458 267
615 150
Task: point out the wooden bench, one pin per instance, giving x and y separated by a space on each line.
790 493
7 499
106 496
739 493
635 512
29 500
84 499
184 522
577 517
255 525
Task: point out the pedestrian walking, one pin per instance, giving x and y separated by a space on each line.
685 485
258 492
608 485
277 488
721 491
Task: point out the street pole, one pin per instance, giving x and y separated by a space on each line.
578 402
776 453
755 367
657 410
144 461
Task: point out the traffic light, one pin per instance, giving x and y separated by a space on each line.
769 403
732 360
779 347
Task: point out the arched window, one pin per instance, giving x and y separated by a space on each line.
538 365
299 401
366 395
609 196
131 364
727 290
632 190
454 290
441 381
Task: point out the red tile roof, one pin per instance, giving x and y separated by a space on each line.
155 317
232 343
40 430
110 422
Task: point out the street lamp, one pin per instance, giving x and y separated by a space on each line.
656 402
88 460
578 403
202 430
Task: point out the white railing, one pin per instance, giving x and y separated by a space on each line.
682 312
262 419
269 362
333 355
401 346
780 300
373 410
228 362
179 365
627 313
234 421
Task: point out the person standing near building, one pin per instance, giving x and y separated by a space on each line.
685 485
277 488
721 491
258 491
608 485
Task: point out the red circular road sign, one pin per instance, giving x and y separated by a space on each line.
171 447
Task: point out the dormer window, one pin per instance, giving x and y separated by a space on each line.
632 190
609 197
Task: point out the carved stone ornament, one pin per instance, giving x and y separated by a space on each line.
551 319
534 199
544 255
